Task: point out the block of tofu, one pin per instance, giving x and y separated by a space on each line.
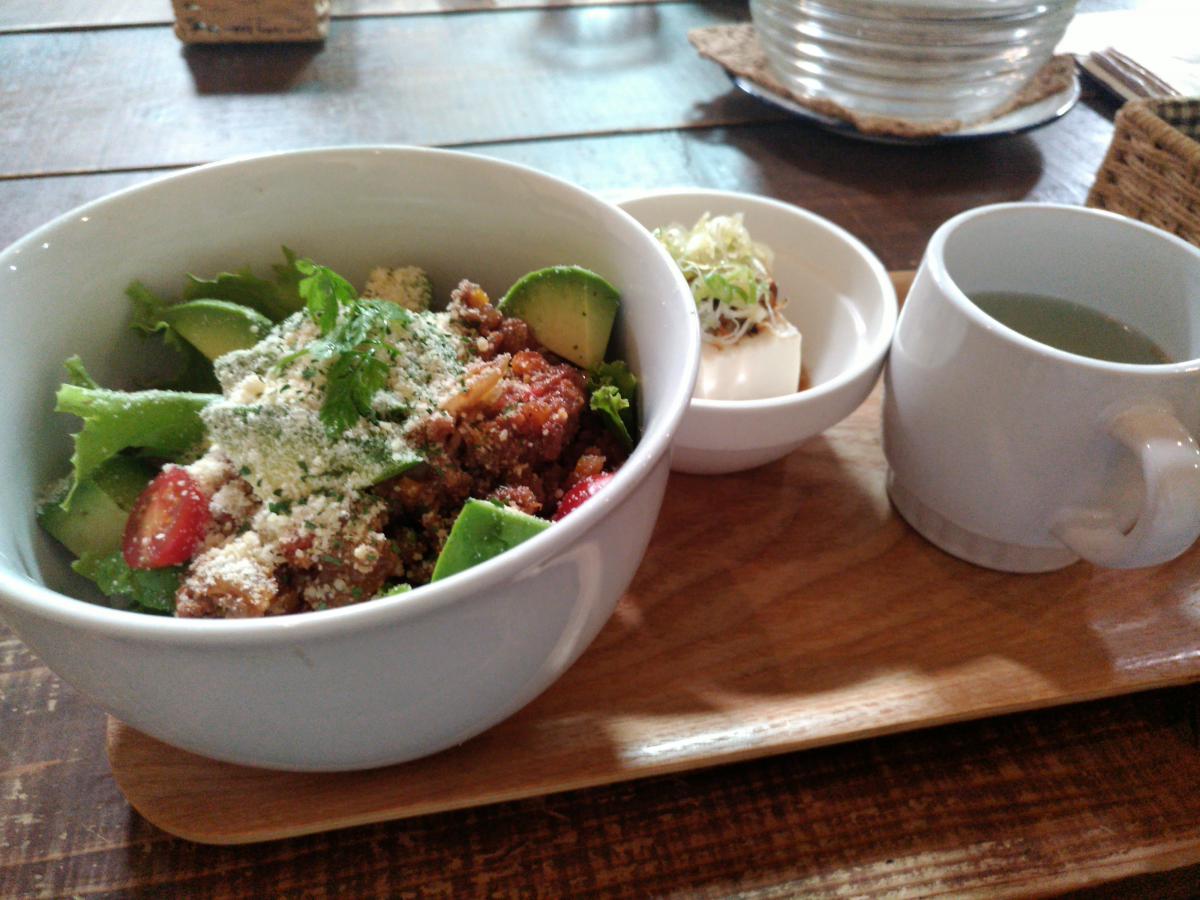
761 365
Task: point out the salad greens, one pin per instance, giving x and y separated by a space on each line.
163 424
276 299
613 390
150 590
253 338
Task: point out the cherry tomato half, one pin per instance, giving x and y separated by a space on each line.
582 490
167 522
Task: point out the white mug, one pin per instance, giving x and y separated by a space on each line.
1021 457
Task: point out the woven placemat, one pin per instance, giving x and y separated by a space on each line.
737 50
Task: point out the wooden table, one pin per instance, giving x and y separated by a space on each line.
1098 798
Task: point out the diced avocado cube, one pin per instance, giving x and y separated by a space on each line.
570 311
94 521
482 530
217 327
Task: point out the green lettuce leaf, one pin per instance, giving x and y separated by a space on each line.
195 372
613 390
610 404
148 308
77 374
276 299
163 424
150 590
288 278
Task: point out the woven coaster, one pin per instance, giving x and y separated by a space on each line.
1152 169
736 49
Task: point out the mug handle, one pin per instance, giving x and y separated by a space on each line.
1169 520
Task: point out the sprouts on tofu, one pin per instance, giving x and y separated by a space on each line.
729 274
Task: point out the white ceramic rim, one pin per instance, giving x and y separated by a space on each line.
653 445
876 348
935 261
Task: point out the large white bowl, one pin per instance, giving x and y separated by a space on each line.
841 300
384 681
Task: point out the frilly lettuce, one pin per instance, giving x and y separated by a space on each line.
150 590
613 392
163 424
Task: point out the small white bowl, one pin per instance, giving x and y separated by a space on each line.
839 297
373 683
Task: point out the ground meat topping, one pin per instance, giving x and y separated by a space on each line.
514 428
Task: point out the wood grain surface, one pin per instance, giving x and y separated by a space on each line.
1019 806
400 80
822 618
891 198
1095 799
38 15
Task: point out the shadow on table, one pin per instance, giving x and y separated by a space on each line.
328 66
615 38
794 591
846 180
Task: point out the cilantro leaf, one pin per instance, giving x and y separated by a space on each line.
613 394
164 424
352 381
365 321
357 346
323 291
150 590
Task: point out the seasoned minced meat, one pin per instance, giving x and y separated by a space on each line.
519 432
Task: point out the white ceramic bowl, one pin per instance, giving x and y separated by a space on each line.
379 682
841 300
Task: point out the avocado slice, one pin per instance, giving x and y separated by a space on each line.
482 530
217 327
569 309
94 521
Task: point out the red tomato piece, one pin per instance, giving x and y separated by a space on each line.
582 490
167 522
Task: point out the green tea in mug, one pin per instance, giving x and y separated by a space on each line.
1070 326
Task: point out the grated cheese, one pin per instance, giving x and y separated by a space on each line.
307 501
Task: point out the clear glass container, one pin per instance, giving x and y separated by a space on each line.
920 60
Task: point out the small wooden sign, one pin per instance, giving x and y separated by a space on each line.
256 21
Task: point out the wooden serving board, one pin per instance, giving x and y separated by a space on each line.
778 609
